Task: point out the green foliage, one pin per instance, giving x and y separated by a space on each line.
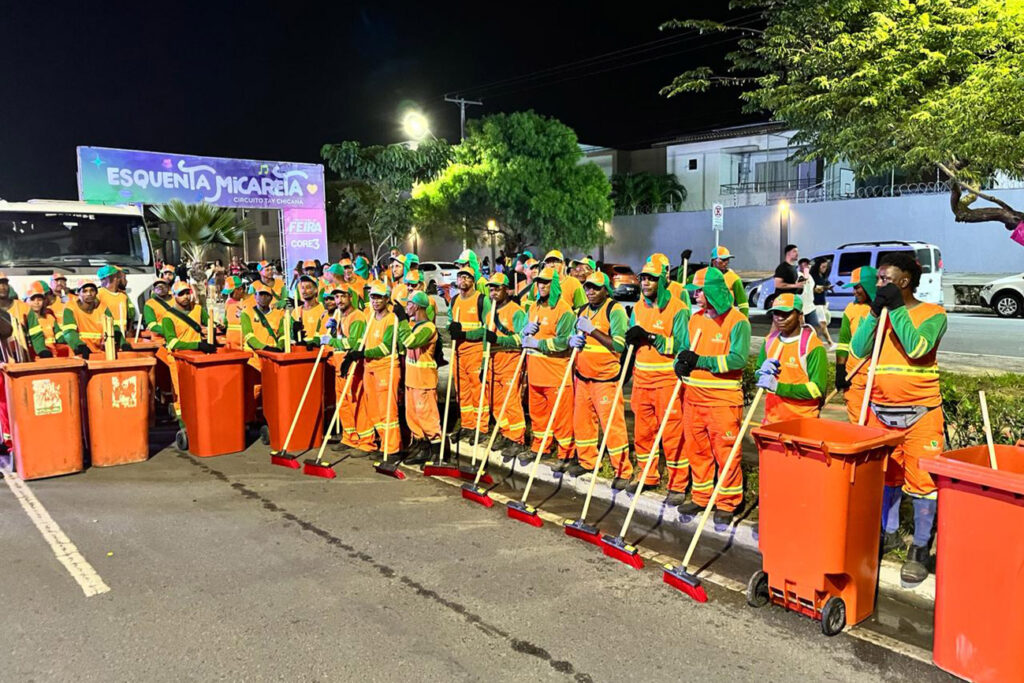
911 84
370 204
200 226
634 193
1004 395
523 171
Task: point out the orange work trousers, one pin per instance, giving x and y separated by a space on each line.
924 439
649 405
854 397
353 412
542 402
502 367
421 414
592 406
709 433
471 362
165 357
382 405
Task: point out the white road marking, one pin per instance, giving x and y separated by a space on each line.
63 549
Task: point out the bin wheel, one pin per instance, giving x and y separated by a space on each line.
265 435
757 590
833 616
181 440
171 412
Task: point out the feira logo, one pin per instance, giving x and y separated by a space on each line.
203 178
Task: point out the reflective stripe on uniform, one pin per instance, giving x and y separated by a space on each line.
712 383
930 371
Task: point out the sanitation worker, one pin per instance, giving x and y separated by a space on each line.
468 310
168 274
59 288
378 364
263 325
156 307
82 325
10 303
546 336
658 330
527 294
864 282
308 318
509 316
572 289
43 328
468 259
419 337
582 267
713 400
354 281
112 297
344 333
237 300
183 330
274 284
721 258
792 365
676 289
600 339
413 282
906 398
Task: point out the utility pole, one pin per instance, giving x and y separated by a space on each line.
462 112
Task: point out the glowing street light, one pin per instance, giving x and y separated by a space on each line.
783 227
415 125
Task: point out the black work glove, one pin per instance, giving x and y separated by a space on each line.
685 255
685 363
638 336
207 347
126 345
455 329
842 383
311 345
354 355
45 353
272 349
889 296
400 313
83 351
297 329
492 336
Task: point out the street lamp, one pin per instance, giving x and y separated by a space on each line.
492 230
415 240
783 228
416 125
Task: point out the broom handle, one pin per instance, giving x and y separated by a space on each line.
501 416
604 436
391 379
988 431
448 392
883 318
657 445
341 399
551 423
737 446
686 267
302 401
138 328
483 385
853 372
108 348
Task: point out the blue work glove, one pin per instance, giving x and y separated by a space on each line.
530 329
768 382
332 325
530 343
578 341
771 367
585 325
325 339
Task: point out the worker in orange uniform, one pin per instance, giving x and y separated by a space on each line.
658 330
263 325
600 339
676 289
344 333
905 398
864 282
572 289
183 328
395 277
468 310
237 300
111 295
468 259
156 307
10 303
526 296
418 338
792 364
169 275
377 366
41 322
721 258
505 349
59 287
308 318
82 325
713 400
274 284
545 335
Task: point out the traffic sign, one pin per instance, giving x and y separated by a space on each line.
717 216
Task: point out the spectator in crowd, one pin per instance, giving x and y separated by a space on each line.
806 281
786 272
822 286
236 268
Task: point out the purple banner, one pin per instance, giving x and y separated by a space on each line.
305 236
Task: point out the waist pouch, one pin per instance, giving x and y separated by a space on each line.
899 417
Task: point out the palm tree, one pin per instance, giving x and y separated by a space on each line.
201 226
644 192
666 190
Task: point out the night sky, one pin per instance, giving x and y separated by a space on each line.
276 80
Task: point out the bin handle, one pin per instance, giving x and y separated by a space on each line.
805 448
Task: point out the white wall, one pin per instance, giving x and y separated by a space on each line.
752 233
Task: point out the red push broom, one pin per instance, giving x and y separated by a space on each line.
440 468
518 509
282 457
579 528
616 546
473 491
384 467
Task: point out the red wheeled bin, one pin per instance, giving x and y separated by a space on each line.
284 379
820 501
979 569
211 388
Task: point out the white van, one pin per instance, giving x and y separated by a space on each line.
40 237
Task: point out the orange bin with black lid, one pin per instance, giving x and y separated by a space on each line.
284 378
212 401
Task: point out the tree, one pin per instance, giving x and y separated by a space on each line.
644 192
201 226
910 84
371 202
524 172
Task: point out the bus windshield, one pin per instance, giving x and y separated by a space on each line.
30 238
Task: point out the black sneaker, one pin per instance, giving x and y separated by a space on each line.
419 453
675 498
620 484
914 570
891 541
635 485
576 470
561 465
690 509
509 452
723 518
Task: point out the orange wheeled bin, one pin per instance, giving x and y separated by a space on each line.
211 388
979 569
118 410
44 400
284 379
820 503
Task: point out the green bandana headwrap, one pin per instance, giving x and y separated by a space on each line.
868 280
716 292
469 256
556 290
412 262
362 267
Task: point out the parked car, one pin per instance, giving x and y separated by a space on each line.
1005 296
625 283
438 272
848 257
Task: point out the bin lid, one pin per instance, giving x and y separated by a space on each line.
146 345
43 365
299 354
972 465
837 437
222 356
101 365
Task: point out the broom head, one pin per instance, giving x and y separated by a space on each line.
527 514
284 459
616 547
583 531
318 468
678 577
389 469
441 469
477 495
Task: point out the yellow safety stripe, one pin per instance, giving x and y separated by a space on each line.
153 325
386 425
235 327
35 330
813 389
679 465
655 367
920 349
171 344
249 336
596 348
712 383
90 335
703 486
930 371
732 489
842 348
670 346
564 442
471 326
723 367
586 442
368 432
428 364
616 451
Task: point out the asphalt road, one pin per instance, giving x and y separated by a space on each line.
232 568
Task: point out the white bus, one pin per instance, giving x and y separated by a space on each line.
40 237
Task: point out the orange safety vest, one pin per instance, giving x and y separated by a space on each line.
792 370
545 370
420 367
901 380
467 310
654 369
311 318
233 317
856 313
263 334
375 337
595 361
504 323
570 286
88 325
116 303
398 292
46 324
183 332
706 388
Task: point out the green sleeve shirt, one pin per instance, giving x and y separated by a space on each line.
917 341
